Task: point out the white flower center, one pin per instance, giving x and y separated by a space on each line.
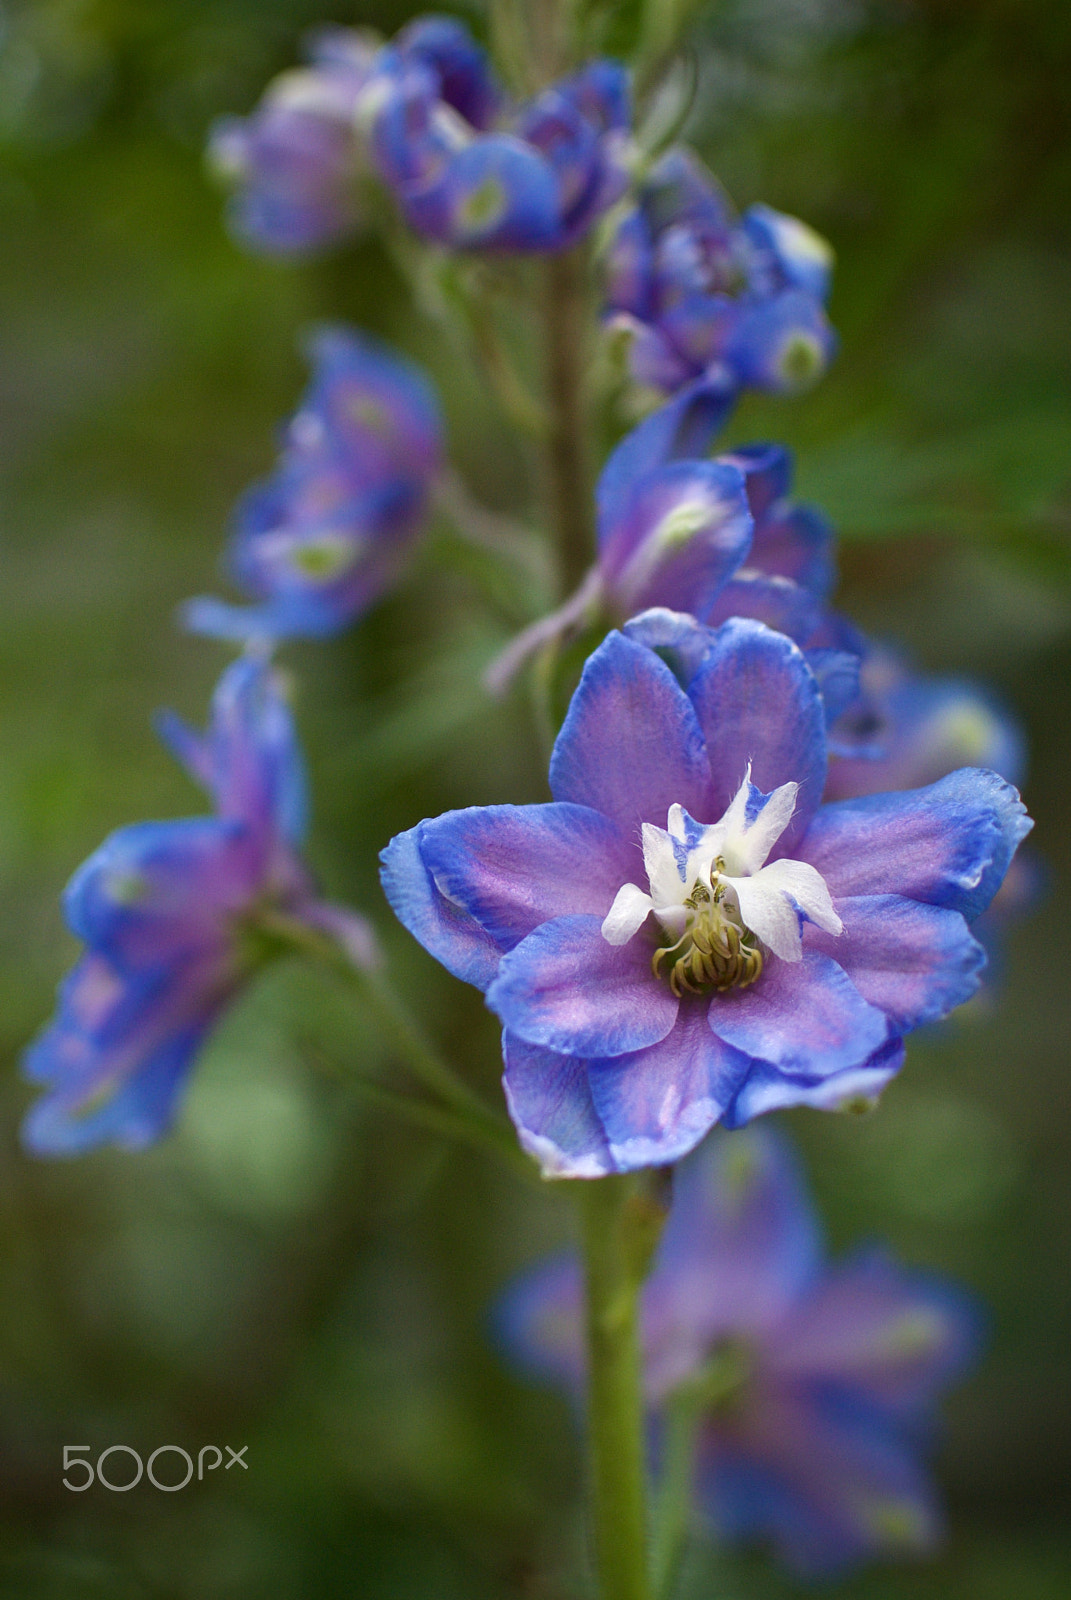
721 909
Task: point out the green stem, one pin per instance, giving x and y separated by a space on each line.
615 1403
674 1498
566 326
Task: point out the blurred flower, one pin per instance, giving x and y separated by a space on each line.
176 919
330 530
913 729
810 1383
473 173
656 973
697 291
294 162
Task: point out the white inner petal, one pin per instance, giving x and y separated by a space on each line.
724 879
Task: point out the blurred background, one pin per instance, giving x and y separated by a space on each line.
291 1271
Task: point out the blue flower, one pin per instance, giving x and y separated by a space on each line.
686 934
294 162
709 540
813 1381
331 529
698 291
169 912
470 171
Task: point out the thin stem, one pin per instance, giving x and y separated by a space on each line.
615 1404
565 322
448 1124
423 1061
673 1500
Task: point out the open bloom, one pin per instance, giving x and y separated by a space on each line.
471 171
686 934
811 1383
171 914
331 529
699 292
294 162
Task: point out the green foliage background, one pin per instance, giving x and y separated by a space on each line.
290 1270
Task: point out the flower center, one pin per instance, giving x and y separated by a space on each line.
716 951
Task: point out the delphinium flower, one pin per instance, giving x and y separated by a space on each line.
686 934
699 291
710 540
294 162
331 529
176 919
471 170
809 1385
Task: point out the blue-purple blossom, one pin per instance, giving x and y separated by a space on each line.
686 935
171 914
814 1382
709 540
294 163
332 528
700 292
473 172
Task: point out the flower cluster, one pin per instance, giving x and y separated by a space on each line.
698 292
468 168
322 538
809 1383
177 918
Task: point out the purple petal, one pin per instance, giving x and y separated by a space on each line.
758 702
658 1103
550 1102
565 988
157 891
681 430
514 867
916 962
630 745
830 1485
949 844
804 1018
450 934
687 529
777 602
895 1337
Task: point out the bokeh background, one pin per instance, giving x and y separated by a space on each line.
291 1270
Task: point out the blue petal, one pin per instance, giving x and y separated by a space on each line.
566 988
916 962
257 761
550 1102
450 934
140 1111
679 431
757 701
805 1018
686 531
514 867
156 890
657 1103
949 844
766 1088
630 745
495 194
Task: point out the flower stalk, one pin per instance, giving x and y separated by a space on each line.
617 1239
566 326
